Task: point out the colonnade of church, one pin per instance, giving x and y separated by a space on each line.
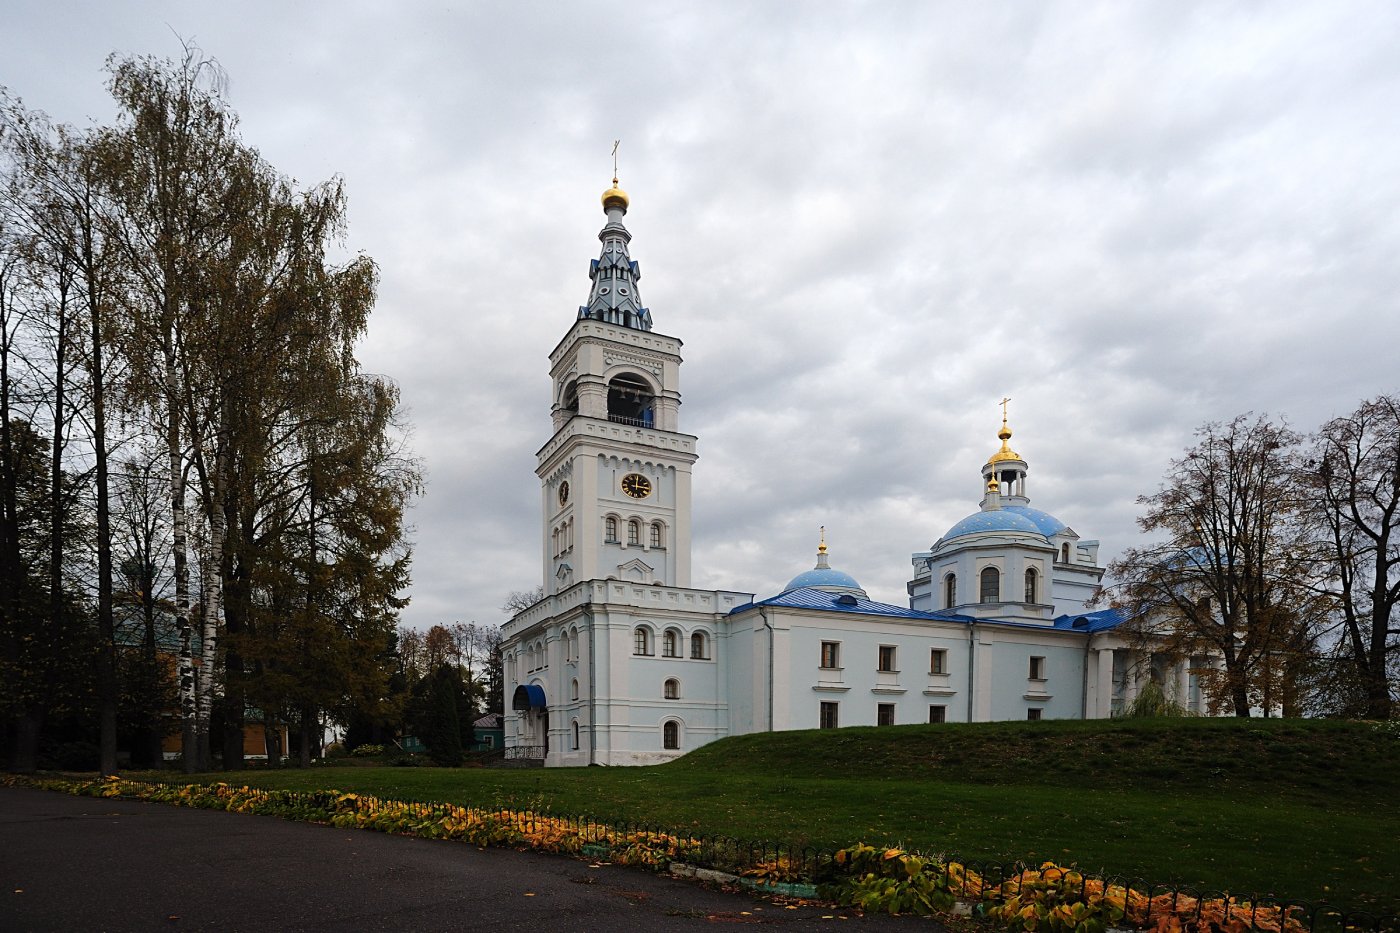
1120 674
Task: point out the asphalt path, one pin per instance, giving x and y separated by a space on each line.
86 864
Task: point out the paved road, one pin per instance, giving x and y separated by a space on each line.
82 864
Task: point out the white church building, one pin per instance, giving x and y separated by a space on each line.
622 662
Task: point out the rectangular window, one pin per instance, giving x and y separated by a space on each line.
938 714
828 715
884 714
1033 715
831 655
938 661
656 535
887 659
1037 668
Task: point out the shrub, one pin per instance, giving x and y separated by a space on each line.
367 751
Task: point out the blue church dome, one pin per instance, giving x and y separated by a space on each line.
823 578
1003 519
1045 523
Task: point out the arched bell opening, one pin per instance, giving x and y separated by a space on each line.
569 400
630 401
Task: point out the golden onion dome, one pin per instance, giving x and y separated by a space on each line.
615 197
1006 453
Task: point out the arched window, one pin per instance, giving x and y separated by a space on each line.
991 585
641 641
575 735
634 532
573 690
1030 586
950 591
556 542
671 734
698 648
671 644
671 690
1064 553
656 534
569 534
573 644
610 531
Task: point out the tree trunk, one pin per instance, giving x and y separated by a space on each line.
189 746
107 686
308 720
211 579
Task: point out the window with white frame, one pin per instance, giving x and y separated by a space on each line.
831 655
573 689
671 644
641 640
699 646
938 661
1031 581
1033 714
1037 668
991 585
937 712
671 690
634 532
575 730
950 591
610 531
884 714
656 534
887 658
827 716
671 734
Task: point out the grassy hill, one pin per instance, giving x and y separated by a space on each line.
1299 809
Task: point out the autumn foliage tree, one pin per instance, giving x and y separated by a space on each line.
1231 573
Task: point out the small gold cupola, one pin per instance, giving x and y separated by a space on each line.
615 198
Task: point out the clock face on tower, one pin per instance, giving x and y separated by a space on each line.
636 485
564 493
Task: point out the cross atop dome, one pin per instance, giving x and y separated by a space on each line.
1004 473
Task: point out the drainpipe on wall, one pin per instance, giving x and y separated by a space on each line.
971 666
1084 690
763 614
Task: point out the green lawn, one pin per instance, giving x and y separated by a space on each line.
1300 809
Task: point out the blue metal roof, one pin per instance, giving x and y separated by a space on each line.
809 598
1090 622
822 577
1003 519
528 696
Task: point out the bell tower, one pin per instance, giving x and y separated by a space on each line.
615 477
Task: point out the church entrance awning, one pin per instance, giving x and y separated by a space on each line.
527 697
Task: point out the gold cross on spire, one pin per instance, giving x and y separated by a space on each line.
616 143
1003 409
822 547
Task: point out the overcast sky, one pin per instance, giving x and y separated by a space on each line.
867 222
